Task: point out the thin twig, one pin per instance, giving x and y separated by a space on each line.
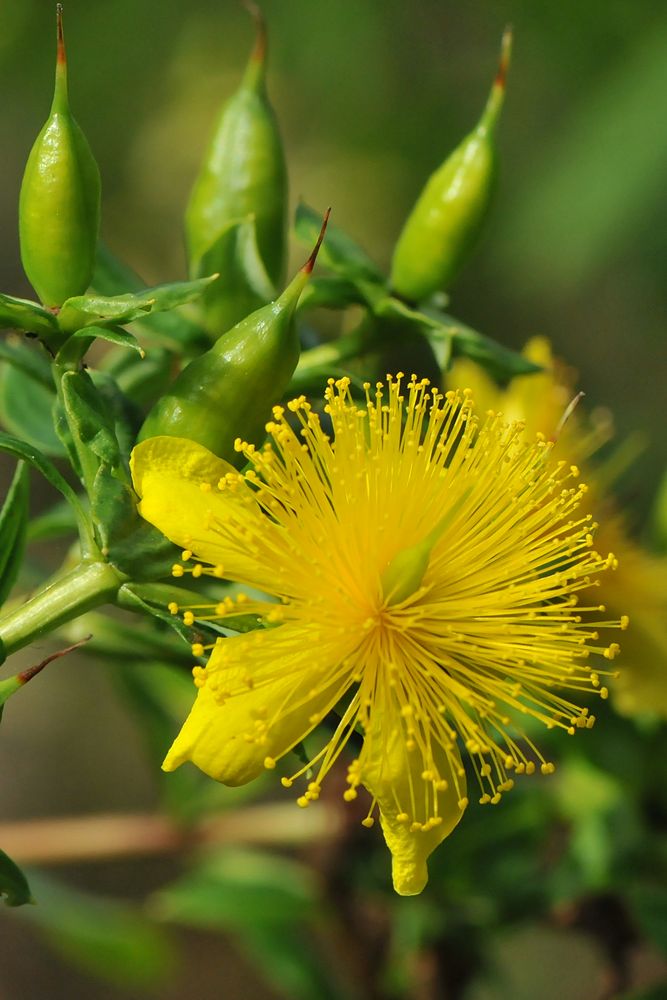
65 840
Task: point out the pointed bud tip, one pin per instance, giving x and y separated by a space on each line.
62 57
255 11
310 263
30 672
505 56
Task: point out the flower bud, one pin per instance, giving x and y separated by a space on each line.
59 207
227 392
243 177
446 220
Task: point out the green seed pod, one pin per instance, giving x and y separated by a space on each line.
59 206
228 392
445 222
243 177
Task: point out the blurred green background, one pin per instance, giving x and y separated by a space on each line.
371 95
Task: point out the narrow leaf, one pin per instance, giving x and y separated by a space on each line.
75 348
58 522
176 293
14 888
339 251
13 524
330 292
112 277
34 363
19 449
97 310
105 937
26 410
22 314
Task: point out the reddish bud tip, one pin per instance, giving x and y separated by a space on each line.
310 263
505 55
30 672
259 52
62 58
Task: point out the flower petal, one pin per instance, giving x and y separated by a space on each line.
168 474
230 741
394 776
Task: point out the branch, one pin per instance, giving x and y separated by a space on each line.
65 840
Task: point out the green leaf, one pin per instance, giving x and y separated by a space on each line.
112 277
22 314
445 333
177 293
239 888
135 547
649 907
499 361
108 939
270 903
26 410
76 346
154 598
91 426
235 256
19 449
13 525
58 522
84 311
243 285
339 251
16 352
14 888
330 292
142 381
124 415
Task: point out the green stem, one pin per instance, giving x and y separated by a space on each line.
332 353
85 587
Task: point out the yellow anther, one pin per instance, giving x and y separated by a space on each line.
350 794
368 822
188 618
302 801
172 607
186 554
177 570
286 782
197 649
270 763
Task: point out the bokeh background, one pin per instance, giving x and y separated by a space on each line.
371 94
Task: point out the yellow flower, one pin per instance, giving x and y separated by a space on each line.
422 571
639 588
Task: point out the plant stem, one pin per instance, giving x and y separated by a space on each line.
79 839
85 587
